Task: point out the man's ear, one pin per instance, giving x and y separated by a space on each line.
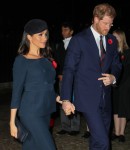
72 31
96 19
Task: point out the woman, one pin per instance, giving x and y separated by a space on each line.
121 94
33 94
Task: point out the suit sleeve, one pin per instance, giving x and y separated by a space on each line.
70 66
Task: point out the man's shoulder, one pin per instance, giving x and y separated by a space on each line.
82 34
83 31
111 36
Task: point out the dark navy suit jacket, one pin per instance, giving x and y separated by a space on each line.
82 65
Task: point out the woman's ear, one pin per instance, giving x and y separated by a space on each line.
29 37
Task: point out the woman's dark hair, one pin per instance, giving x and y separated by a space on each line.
25 44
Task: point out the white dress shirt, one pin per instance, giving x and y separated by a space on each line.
66 42
97 39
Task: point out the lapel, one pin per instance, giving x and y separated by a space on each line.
93 45
108 53
95 51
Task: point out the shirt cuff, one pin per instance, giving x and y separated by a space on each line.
114 81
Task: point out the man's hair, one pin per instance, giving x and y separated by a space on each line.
68 24
104 9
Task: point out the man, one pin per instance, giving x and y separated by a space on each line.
69 124
93 72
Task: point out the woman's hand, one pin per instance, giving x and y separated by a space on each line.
58 99
13 130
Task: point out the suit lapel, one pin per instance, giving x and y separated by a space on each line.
93 45
95 51
108 53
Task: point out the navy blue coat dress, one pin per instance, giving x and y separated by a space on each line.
34 96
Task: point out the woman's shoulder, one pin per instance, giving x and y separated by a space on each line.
19 57
20 66
19 61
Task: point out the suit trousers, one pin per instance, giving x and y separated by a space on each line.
99 124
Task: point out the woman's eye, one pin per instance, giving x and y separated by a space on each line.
47 35
40 34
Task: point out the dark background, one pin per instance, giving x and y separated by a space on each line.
14 15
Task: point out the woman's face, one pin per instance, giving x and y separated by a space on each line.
38 40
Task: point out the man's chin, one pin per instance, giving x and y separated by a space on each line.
105 33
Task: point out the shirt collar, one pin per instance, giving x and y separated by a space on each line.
67 39
95 33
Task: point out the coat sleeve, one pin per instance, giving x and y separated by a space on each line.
19 75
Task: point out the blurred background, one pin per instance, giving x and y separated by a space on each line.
14 15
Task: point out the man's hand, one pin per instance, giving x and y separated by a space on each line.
68 107
107 79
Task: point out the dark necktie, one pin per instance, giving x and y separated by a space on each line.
103 52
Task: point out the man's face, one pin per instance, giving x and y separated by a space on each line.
103 26
66 32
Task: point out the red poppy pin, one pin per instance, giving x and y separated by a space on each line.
54 64
122 57
110 41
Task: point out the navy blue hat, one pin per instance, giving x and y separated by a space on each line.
35 26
